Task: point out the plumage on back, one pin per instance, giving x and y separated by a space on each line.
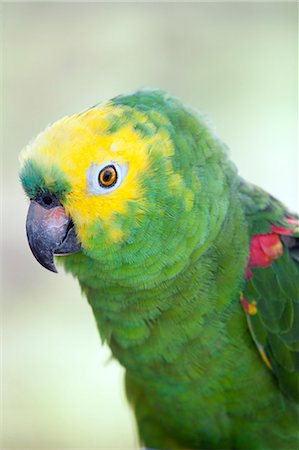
271 293
176 255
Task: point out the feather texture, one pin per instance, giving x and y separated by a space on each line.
163 260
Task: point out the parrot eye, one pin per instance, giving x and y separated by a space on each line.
108 176
104 178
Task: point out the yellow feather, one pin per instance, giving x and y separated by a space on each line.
74 143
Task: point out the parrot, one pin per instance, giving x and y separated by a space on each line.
191 271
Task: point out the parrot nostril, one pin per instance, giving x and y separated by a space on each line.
47 200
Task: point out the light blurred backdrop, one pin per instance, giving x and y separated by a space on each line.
237 62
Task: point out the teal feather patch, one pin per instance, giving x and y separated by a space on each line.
36 179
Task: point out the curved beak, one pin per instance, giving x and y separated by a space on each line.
49 232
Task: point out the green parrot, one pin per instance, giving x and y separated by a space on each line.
191 272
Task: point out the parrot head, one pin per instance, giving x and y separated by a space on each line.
127 181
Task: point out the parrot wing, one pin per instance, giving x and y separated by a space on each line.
271 294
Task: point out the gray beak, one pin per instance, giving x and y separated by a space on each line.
49 232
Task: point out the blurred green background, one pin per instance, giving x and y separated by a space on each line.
237 62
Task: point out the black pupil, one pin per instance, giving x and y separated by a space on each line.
107 175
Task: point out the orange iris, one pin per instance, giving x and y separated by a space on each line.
108 176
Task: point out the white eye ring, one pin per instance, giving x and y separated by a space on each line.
92 177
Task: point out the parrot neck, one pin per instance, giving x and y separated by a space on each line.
152 330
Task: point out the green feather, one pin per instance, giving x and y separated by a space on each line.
166 298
